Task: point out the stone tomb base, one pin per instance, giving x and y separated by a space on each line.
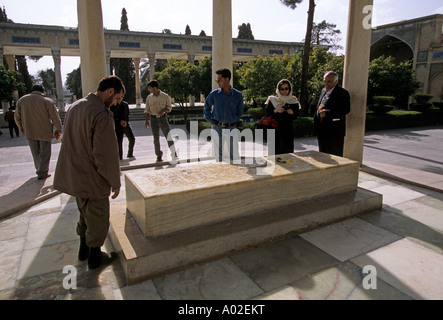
145 257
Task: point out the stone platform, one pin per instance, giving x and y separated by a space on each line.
324 188
199 194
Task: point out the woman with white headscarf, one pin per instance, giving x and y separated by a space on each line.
284 107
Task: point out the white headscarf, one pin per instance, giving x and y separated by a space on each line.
280 100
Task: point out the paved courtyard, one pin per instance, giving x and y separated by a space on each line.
402 243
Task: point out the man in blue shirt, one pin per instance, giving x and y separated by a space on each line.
224 108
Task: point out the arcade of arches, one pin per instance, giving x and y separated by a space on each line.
419 40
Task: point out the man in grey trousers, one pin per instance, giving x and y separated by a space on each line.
36 116
88 166
158 105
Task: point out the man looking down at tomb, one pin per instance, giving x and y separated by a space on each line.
88 165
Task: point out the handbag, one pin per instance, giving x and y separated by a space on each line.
267 122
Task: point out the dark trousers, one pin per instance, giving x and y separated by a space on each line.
13 126
331 144
156 125
93 223
127 131
41 153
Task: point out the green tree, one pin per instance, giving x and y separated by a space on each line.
9 82
74 82
259 76
305 62
23 69
4 16
326 33
124 67
178 81
188 30
21 61
203 79
47 79
245 32
389 79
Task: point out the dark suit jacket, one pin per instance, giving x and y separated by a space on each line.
339 104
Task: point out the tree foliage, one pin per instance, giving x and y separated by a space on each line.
47 79
124 67
203 79
178 81
305 61
188 30
9 82
389 79
74 82
326 33
260 75
245 32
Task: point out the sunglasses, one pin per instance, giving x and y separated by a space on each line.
284 89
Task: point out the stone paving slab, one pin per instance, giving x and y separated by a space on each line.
409 267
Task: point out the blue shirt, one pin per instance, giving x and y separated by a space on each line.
227 107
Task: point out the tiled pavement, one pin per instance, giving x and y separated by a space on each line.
403 243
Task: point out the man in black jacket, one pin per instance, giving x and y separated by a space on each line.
122 127
330 119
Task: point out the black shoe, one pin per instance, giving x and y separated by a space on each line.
159 159
43 177
83 252
131 156
98 258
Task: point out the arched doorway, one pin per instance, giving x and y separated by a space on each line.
392 46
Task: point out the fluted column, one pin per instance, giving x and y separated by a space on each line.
58 79
138 97
222 37
191 59
355 79
108 62
92 44
151 58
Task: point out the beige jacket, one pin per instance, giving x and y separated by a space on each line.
155 105
36 116
88 163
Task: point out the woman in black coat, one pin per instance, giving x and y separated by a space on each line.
284 107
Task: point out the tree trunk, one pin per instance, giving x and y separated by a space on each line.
305 61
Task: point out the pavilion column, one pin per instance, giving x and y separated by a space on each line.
138 97
58 79
191 59
222 37
108 62
92 44
355 78
151 58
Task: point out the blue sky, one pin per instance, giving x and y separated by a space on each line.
269 19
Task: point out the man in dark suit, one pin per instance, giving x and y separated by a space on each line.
330 119
122 127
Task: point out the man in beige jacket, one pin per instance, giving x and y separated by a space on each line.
88 165
36 116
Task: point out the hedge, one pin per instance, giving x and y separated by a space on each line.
397 119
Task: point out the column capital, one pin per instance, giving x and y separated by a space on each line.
56 54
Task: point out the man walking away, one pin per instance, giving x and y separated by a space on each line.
36 116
